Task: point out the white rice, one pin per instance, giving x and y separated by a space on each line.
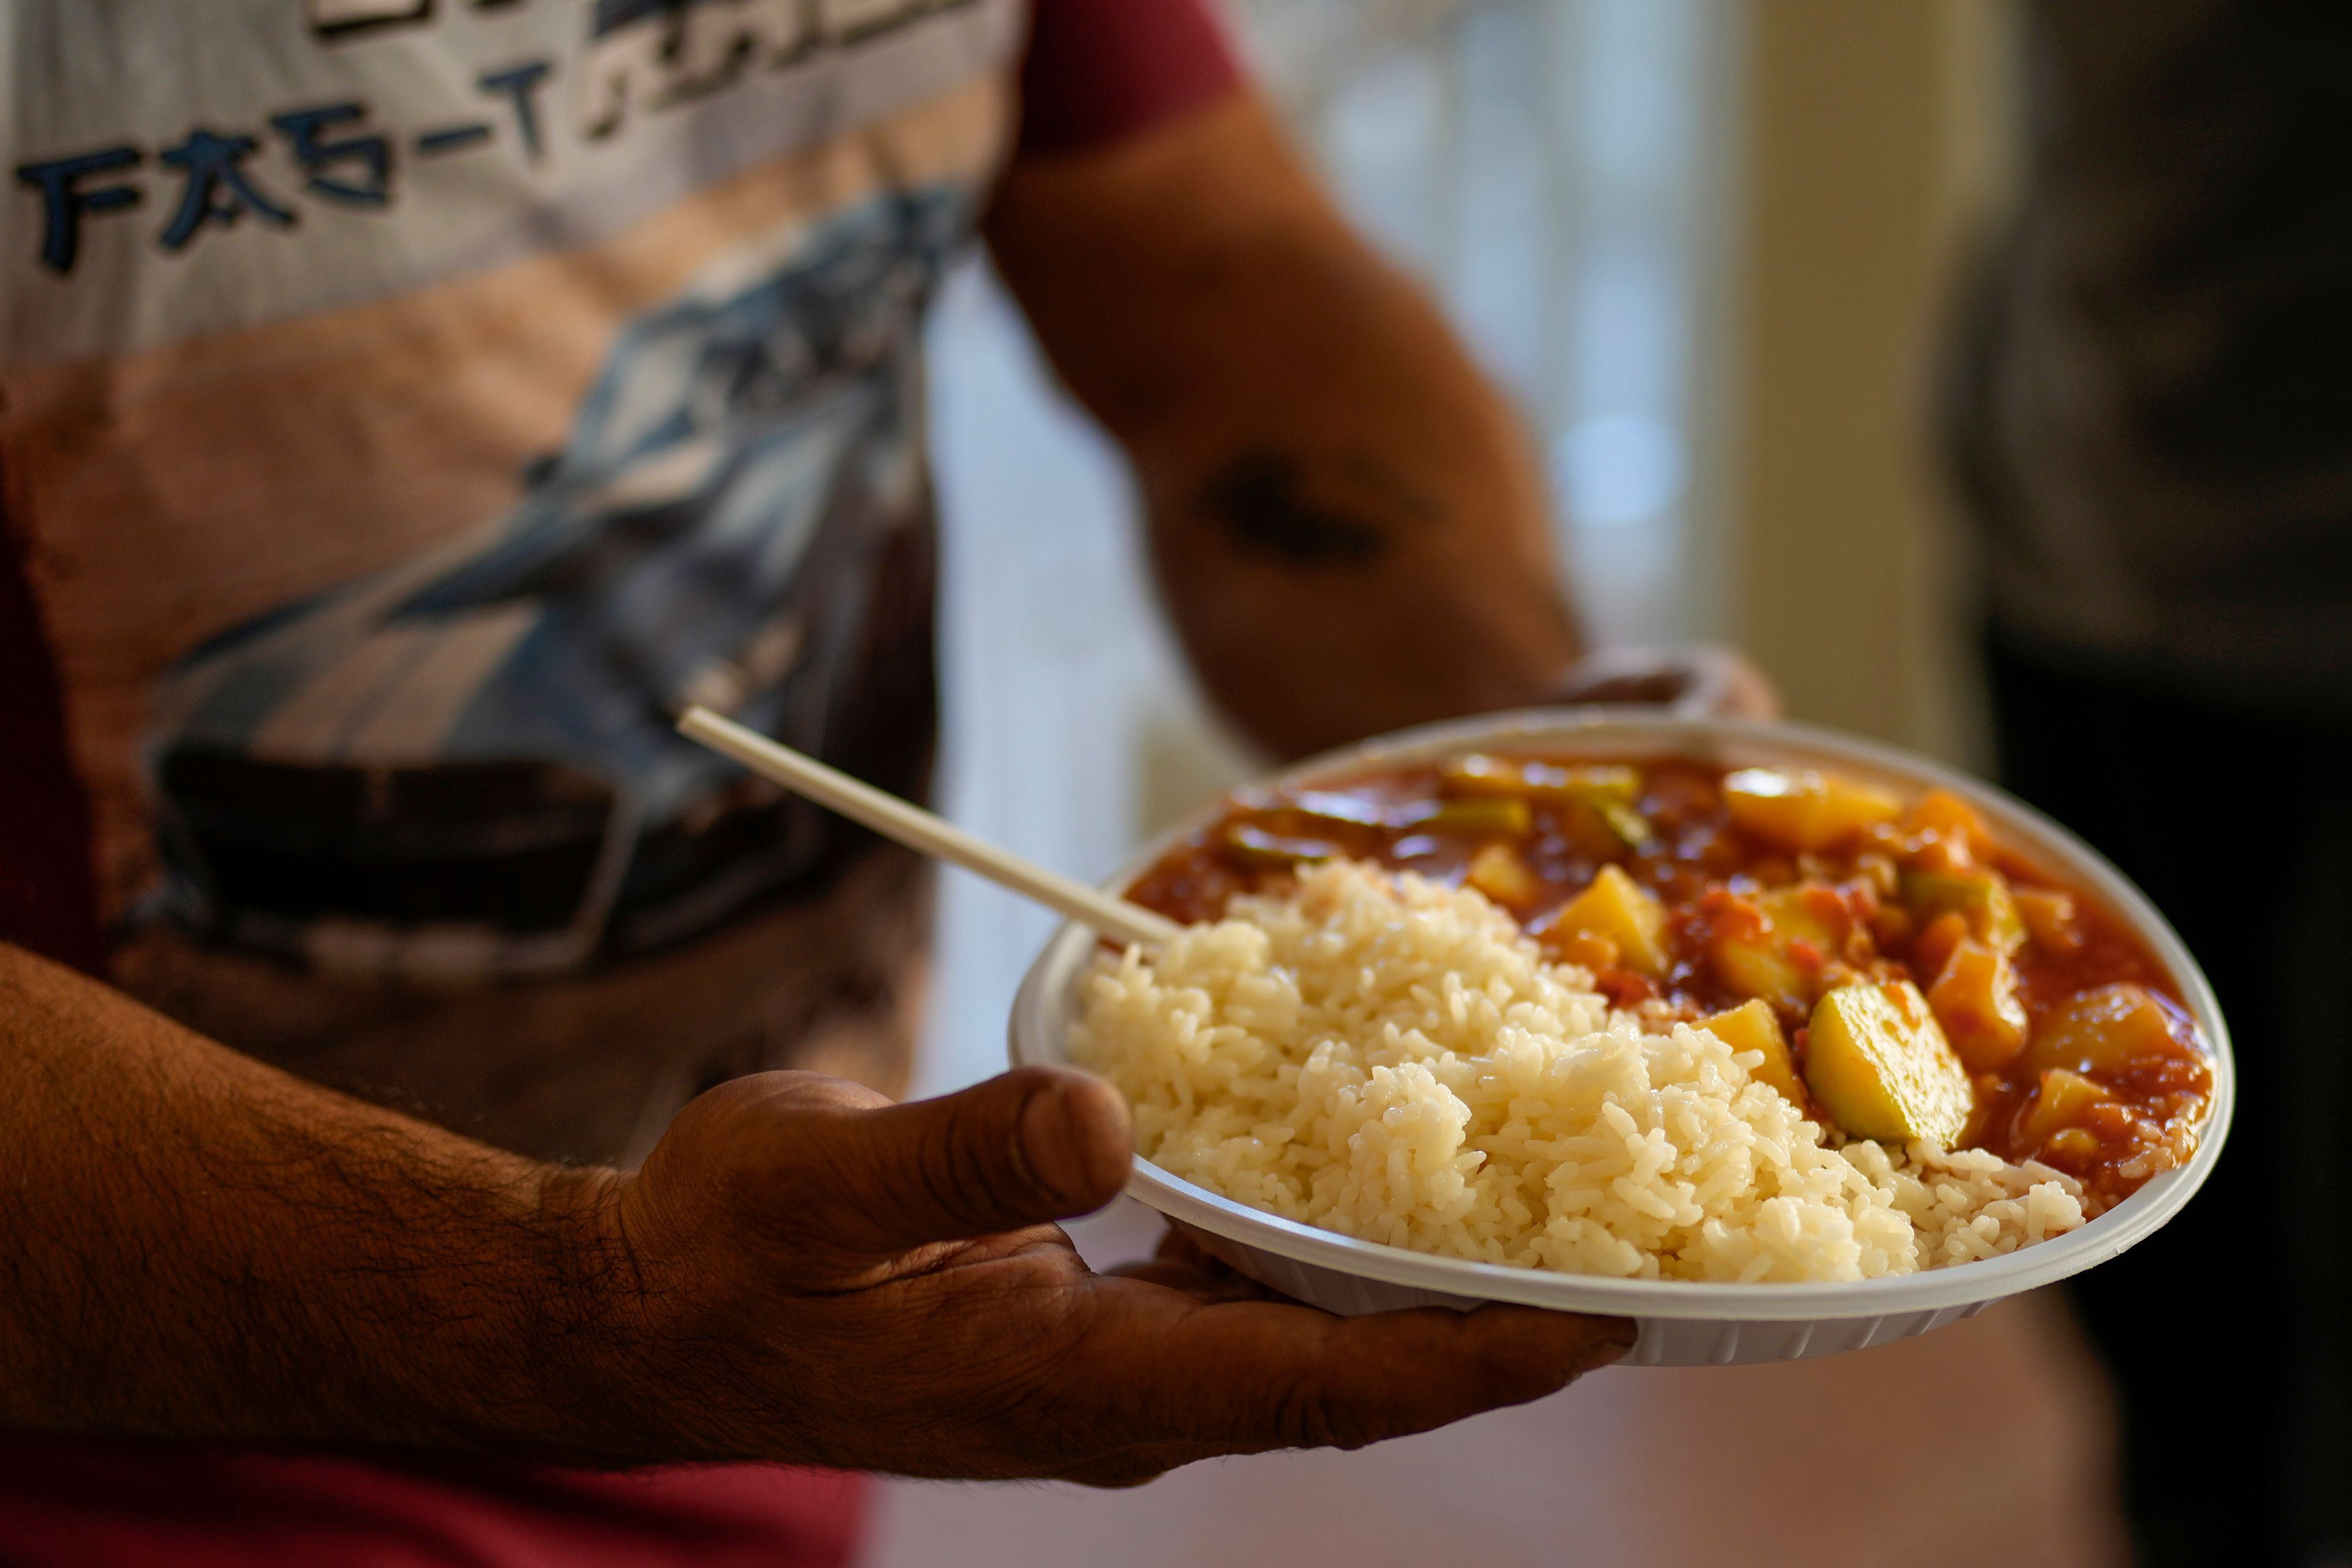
1391 1058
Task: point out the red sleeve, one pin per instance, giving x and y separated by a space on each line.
1098 71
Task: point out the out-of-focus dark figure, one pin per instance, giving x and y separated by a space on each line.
2154 427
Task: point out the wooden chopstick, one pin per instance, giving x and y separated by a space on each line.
919 830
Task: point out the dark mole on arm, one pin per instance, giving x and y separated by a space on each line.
1262 501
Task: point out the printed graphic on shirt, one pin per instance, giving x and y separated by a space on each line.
465 766
184 168
407 408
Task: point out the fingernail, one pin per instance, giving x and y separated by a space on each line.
1047 1147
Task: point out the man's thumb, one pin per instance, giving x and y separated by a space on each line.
1037 1143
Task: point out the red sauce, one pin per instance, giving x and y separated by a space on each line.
1859 910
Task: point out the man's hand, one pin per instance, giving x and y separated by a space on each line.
819 1274
1703 682
198 1246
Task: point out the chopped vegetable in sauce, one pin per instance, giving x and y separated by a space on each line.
1890 967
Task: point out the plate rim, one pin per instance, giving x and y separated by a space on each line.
1036 1014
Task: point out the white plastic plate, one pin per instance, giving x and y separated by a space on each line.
1683 1323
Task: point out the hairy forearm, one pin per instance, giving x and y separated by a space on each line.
198 1244
1344 516
801 1271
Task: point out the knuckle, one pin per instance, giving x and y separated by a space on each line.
1044 1271
808 1093
967 1165
765 1150
938 1173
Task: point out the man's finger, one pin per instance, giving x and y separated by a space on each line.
1181 1263
1202 1282
1702 682
1034 1145
1247 1376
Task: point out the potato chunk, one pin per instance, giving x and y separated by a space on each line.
1942 814
1618 908
2049 916
2058 1104
1801 809
1980 897
2102 1030
1781 961
1497 871
1750 1026
1934 946
1880 1066
1975 999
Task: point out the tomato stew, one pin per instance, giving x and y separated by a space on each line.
1900 975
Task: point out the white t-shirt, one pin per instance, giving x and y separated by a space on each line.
405 407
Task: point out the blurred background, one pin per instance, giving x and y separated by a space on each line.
1708 246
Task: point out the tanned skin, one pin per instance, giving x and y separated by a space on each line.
1349 528
199 1245
1350 534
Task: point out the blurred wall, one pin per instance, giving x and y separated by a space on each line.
1877 134
1559 174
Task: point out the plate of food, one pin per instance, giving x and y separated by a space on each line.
1781 1042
